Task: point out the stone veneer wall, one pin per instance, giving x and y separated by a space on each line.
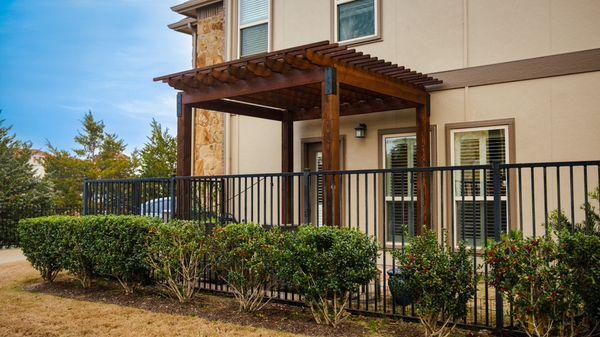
208 142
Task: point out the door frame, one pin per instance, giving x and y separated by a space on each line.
304 143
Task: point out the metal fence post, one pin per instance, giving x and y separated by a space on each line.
137 198
306 196
172 192
85 197
497 182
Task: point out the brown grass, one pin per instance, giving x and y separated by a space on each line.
25 313
29 307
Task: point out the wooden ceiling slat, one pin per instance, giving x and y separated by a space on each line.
297 62
355 58
258 69
340 54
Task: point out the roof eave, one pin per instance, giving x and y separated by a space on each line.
188 8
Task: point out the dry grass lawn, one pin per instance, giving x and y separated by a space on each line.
29 307
25 313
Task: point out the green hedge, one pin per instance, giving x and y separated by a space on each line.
175 253
246 257
90 246
43 243
325 265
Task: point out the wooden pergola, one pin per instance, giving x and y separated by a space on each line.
320 80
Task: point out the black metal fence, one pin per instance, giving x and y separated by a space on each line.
472 204
10 216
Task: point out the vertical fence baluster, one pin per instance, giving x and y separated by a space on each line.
498 237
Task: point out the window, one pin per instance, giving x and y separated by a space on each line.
400 197
253 26
355 19
319 167
473 189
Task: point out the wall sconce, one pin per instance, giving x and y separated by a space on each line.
360 131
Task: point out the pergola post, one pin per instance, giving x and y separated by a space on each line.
287 165
330 115
423 218
184 157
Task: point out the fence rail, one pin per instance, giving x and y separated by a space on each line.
470 204
9 218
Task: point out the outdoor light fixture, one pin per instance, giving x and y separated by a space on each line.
360 131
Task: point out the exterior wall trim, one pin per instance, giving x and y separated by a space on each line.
521 70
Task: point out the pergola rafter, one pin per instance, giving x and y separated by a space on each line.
320 80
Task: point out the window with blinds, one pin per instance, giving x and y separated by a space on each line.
473 189
400 195
319 167
356 19
253 26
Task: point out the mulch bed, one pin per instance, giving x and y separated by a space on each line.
274 316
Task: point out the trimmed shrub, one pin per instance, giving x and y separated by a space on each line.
325 265
581 253
175 253
540 287
41 242
118 247
246 256
440 280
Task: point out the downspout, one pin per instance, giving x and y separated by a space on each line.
193 110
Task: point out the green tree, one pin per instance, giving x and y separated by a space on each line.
100 155
21 189
158 156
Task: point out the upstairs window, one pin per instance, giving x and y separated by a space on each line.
253 26
355 19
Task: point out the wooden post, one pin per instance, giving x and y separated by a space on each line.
330 115
184 157
287 165
423 217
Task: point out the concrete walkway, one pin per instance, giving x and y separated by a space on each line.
11 255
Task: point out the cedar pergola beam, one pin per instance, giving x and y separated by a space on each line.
380 84
238 108
255 85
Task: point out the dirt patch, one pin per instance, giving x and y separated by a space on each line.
274 316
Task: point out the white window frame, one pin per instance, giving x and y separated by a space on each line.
336 3
480 198
393 198
256 23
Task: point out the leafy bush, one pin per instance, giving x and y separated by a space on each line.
41 240
325 265
118 247
581 253
440 279
106 246
246 256
539 285
579 249
175 253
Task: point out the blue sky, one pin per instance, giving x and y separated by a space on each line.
61 58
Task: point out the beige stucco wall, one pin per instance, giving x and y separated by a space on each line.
555 118
434 35
208 131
